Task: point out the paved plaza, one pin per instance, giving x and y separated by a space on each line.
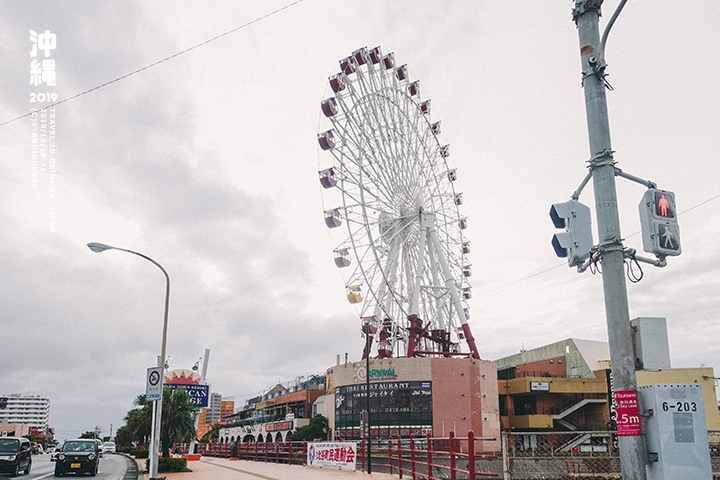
208 468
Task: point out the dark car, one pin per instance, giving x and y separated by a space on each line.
79 456
15 455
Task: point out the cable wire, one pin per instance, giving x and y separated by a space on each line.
147 67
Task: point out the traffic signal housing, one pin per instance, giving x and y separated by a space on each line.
575 242
658 219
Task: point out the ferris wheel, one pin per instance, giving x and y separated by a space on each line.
390 196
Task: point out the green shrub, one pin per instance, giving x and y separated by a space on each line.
140 454
169 465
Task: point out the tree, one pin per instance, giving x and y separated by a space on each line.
178 415
123 438
317 428
213 433
88 435
139 421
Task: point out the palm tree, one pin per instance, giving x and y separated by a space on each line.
178 413
212 434
123 438
139 420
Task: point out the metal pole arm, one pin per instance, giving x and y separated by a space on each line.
647 183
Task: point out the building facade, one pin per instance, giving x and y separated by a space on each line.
564 386
415 396
33 411
273 416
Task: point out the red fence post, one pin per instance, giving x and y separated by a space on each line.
412 456
429 456
390 457
277 452
399 449
471 454
453 467
362 455
256 451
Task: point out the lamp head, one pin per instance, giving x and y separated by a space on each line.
98 247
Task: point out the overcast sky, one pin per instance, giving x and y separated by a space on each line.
208 164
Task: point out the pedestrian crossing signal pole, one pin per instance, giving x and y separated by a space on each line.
610 248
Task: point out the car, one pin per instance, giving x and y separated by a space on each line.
15 455
78 456
109 447
55 451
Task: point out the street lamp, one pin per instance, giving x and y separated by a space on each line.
157 411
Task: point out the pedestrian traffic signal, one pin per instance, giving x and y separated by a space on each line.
658 219
575 242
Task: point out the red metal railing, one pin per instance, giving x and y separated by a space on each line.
430 458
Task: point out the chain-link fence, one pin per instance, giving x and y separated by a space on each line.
561 455
714 439
573 455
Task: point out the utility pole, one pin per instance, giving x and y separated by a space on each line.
610 248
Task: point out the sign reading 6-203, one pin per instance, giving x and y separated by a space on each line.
679 406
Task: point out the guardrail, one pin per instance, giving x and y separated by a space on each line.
527 455
426 457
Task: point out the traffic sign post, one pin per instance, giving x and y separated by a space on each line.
153 387
586 15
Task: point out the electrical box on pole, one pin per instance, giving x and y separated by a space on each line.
575 242
676 432
658 219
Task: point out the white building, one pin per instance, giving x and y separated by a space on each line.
25 410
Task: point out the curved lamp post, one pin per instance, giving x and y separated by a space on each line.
157 411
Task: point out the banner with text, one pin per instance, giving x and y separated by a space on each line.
332 455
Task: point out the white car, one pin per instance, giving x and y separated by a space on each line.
109 447
54 453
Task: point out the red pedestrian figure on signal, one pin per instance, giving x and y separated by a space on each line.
664 205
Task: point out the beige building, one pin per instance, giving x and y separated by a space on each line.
564 386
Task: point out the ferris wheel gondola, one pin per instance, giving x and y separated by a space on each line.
392 190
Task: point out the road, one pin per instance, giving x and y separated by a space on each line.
112 467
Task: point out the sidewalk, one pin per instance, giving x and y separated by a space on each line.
209 468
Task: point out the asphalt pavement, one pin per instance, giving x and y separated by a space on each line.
210 468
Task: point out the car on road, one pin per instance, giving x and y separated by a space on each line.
15 455
80 455
109 447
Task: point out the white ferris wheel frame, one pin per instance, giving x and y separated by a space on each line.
400 209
